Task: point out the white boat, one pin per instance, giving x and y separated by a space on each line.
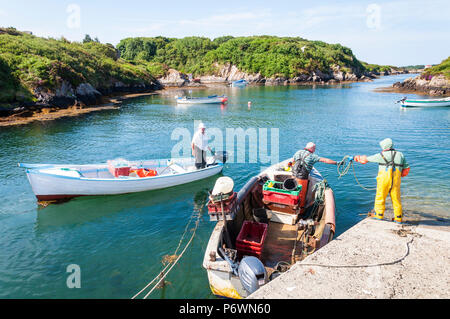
424 102
56 181
289 237
239 83
212 99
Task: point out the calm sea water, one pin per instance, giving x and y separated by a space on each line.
119 241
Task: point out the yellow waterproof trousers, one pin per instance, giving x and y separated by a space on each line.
385 185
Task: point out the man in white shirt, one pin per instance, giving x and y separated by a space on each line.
200 146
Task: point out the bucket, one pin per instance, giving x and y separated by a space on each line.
290 184
261 216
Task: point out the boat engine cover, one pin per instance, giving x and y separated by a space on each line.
223 185
252 274
221 156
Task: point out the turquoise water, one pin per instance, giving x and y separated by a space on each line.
119 241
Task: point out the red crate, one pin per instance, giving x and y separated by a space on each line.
280 198
121 171
250 240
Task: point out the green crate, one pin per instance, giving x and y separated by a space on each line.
280 190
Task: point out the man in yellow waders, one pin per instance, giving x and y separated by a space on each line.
392 167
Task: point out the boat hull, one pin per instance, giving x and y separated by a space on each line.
55 187
426 103
223 282
215 100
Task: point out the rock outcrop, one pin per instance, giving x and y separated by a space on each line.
432 85
174 78
228 73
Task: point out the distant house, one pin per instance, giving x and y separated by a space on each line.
428 66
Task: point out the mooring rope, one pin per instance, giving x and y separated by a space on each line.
178 258
343 167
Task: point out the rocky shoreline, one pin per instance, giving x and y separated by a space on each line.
424 84
69 101
229 73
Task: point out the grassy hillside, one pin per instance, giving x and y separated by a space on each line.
268 55
442 68
28 62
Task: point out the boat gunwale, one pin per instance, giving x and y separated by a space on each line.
220 264
37 171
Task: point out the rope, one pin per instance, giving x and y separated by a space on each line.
368 265
164 269
174 262
343 167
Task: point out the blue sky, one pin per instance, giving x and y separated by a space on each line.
397 32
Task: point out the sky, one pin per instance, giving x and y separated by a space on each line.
398 32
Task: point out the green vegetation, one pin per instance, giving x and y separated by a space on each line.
378 68
442 68
413 67
28 62
269 55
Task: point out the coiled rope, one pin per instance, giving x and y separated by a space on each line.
163 272
343 167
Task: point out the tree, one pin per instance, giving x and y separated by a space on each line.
87 39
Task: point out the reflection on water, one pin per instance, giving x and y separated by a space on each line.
87 209
119 241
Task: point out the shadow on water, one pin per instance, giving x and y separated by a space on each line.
90 208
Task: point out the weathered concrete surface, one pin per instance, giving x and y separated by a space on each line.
422 271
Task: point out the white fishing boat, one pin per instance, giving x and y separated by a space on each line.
424 102
256 238
239 83
56 181
212 99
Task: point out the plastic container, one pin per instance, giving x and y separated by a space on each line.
260 215
215 208
121 171
290 184
250 240
273 192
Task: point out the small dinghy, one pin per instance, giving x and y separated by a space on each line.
212 99
239 83
261 230
55 181
424 102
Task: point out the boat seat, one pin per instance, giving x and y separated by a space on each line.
177 169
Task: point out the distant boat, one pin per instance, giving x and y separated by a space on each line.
239 83
424 102
56 181
212 99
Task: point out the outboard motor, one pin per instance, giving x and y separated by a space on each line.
252 274
221 156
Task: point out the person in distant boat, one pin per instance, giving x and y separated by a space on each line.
200 146
304 161
392 166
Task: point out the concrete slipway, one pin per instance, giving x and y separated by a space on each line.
373 259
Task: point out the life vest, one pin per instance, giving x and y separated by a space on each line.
145 172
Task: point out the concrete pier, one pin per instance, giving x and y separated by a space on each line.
373 259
